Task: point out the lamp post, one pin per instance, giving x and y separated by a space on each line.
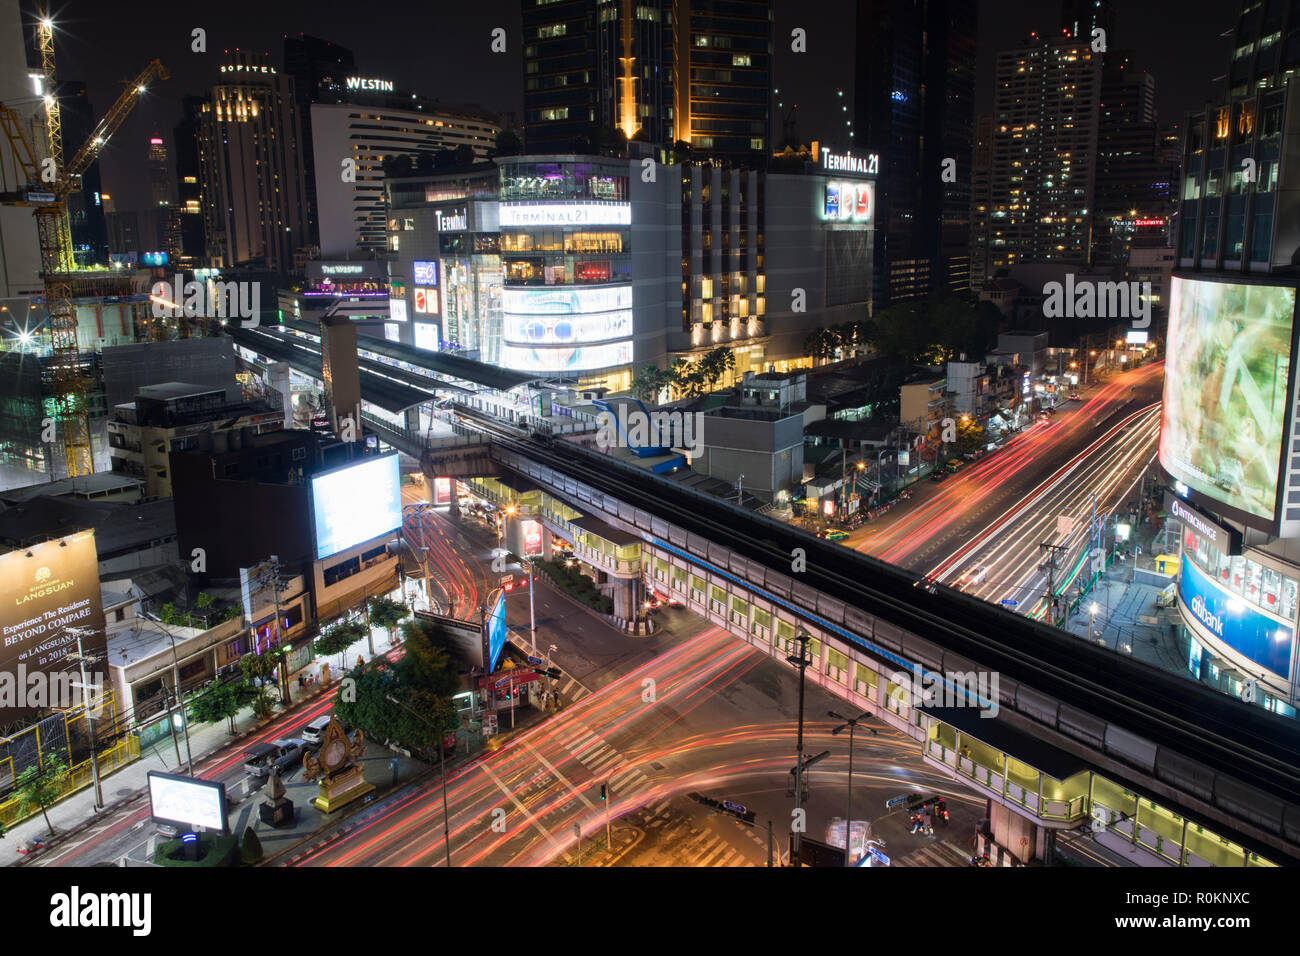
185 724
442 769
1092 614
851 723
802 661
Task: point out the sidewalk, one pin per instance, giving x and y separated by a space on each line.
76 811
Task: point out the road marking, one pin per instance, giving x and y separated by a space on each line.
522 809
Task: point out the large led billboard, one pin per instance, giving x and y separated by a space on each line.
575 359
496 627
44 590
356 503
849 202
1227 373
1259 637
187 802
567 329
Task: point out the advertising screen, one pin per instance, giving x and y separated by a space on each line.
532 536
426 300
564 329
496 625
849 202
1225 396
426 336
397 310
355 504
187 801
153 258
579 358
570 301
442 491
425 273
1253 634
44 590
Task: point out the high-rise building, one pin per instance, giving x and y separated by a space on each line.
1044 153
189 189
723 78
657 71
315 65
252 166
164 216
369 129
914 105
1133 181
1229 426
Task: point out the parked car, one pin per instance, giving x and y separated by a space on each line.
314 731
1074 396
283 755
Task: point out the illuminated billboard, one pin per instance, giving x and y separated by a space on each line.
1227 372
426 301
397 310
355 504
496 628
44 590
1259 637
532 536
567 329
426 336
425 273
574 300
849 202
187 802
565 214
576 359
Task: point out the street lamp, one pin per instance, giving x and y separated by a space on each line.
1092 614
802 661
176 665
442 765
851 723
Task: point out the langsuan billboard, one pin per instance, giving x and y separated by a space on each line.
44 590
1227 371
355 504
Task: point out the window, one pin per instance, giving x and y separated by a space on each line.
740 59
718 601
299 454
552 30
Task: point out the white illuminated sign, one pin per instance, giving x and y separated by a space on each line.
342 270
369 83
397 310
571 359
355 504
566 214
868 165
456 222
426 336
196 803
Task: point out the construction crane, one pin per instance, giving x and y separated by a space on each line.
50 183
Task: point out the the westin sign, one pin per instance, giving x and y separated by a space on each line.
369 83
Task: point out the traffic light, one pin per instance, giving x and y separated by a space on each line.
553 673
604 792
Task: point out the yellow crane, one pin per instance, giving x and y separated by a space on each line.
50 182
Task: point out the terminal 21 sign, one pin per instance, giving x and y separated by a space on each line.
868 165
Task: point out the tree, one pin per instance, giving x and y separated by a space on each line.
688 378
370 709
464 154
42 785
427 664
855 335
337 639
250 851
508 143
650 381
257 670
386 613
204 601
821 343
715 364
222 701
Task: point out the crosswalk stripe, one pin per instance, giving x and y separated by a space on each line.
600 764
661 806
722 845
587 747
708 848
624 776
572 735
728 857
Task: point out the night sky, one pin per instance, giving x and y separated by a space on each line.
441 49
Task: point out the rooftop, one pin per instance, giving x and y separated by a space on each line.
120 526
85 486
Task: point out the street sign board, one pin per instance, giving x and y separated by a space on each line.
733 807
878 856
815 853
895 802
535 660
1009 602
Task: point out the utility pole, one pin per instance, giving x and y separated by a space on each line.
442 769
86 689
802 662
1050 566
851 724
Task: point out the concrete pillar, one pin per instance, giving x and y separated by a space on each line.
548 549
513 539
277 374
413 418
340 371
453 508
626 599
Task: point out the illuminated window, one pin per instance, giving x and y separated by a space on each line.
552 30
740 59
